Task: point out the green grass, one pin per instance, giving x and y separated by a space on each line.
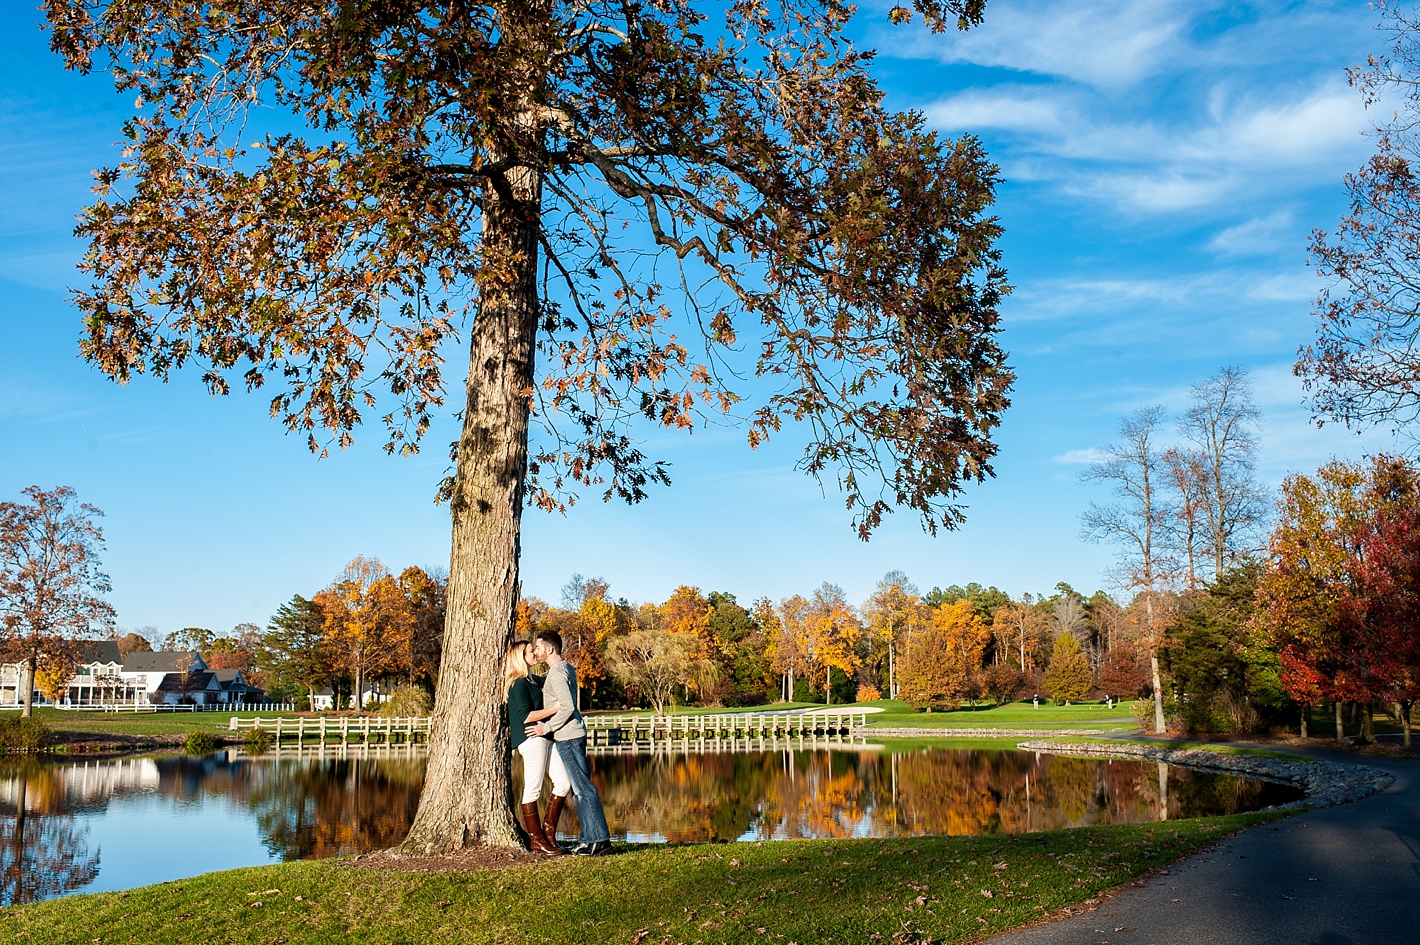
718 710
809 891
141 724
1095 715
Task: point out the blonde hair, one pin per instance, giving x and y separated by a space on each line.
515 665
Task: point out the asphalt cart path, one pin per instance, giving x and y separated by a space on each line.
1345 875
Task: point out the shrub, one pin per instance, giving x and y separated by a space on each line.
259 740
199 743
21 734
869 694
1003 682
407 702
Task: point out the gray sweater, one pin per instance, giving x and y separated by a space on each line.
559 687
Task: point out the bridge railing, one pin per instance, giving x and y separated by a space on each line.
607 729
344 728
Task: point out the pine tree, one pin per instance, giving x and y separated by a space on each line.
1068 677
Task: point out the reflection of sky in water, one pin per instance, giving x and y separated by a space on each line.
149 839
156 819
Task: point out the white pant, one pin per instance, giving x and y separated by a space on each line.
540 759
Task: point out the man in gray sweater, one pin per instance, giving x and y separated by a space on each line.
569 738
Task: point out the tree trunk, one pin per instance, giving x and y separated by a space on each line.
1404 708
1368 725
467 797
1340 724
892 679
791 687
27 688
359 696
1306 710
828 686
1158 693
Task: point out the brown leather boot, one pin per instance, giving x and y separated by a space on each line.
536 840
549 820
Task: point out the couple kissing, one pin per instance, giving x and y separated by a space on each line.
548 733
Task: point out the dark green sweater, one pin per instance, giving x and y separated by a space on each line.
523 698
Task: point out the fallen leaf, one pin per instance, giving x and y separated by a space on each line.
986 894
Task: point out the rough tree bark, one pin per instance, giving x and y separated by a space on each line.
467 797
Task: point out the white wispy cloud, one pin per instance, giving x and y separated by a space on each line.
1257 236
1108 44
1194 158
1078 457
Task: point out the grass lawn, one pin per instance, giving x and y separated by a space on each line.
1095 715
716 710
907 891
140 724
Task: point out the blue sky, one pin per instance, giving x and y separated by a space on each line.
1164 163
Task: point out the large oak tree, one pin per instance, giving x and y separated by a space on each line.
671 206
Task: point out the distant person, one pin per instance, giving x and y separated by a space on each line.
569 737
526 707
1035 701
1109 702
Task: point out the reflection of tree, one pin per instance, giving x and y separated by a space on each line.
682 797
308 810
43 854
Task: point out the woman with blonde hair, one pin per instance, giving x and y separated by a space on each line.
525 707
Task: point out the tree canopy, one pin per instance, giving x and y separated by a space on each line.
327 257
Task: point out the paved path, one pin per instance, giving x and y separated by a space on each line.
1346 875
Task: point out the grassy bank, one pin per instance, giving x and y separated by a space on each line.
1091 715
811 891
86 728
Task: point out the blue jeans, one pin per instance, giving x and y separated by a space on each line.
573 753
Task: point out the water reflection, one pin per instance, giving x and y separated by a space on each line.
55 818
43 852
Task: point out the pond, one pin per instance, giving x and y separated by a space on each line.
68 827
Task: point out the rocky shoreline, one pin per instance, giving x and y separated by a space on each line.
1323 783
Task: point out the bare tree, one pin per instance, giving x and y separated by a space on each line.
1019 628
51 588
1222 425
1136 522
1185 477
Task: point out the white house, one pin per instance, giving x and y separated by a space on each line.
106 678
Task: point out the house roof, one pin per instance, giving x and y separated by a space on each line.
166 661
232 680
195 682
101 651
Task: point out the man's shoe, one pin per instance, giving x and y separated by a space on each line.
595 848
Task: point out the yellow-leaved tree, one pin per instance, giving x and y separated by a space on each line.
831 631
943 656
